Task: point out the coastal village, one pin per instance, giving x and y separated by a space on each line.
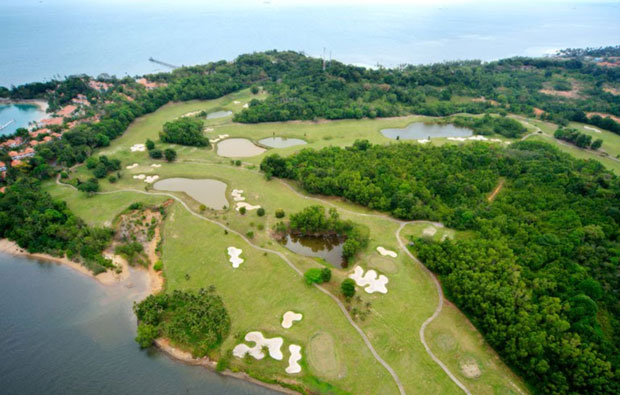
83 108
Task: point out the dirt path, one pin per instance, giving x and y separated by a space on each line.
336 300
498 188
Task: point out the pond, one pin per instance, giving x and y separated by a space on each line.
281 142
328 247
238 148
211 193
14 116
64 333
422 130
219 114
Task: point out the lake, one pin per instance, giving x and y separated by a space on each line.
64 333
211 193
18 116
422 130
219 114
329 248
44 39
281 142
238 148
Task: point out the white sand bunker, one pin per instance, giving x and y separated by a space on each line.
237 102
246 105
138 148
595 130
293 361
151 179
237 195
430 231
155 165
369 280
289 317
247 206
476 138
385 252
208 129
274 346
424 141
139 177
219 138
131 166
235 256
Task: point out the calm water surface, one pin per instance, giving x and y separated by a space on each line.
64 333
281 142
238 148
219 114
211 193
421 130
19 116
327 248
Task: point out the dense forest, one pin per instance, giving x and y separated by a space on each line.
540 276
197 320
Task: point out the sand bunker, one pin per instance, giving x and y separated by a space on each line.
293 361
237 102
246 105
220 137
289 317
131 166
235 256
274 346
139 177
470 369
209 129
155 165
475 138
236 194
137 148
247 206
595 130
424 141
151 179
369 280
430 231
385 252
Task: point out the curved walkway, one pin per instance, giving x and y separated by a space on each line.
387 367
338 302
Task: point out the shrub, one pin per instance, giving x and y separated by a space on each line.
156 153
280 213
237 162
64 175
149 144
260 212
242 210
203 207
348 288
326 274
112 179
184 131
170 154
254 89
313 276
250 234
158 266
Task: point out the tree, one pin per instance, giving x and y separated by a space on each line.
242 210
155 153
170 154
146 335
280 213
326 274
254 89
596 144
348 288
149 144
313 276
260 212
184 131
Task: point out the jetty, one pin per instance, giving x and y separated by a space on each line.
151 59
6 124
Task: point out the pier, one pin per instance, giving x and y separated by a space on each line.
6 124
151 59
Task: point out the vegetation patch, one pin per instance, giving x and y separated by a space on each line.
184 131
195 320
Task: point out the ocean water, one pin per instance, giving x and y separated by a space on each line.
18 116
42 39
64 333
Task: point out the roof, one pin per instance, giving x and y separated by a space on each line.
66 110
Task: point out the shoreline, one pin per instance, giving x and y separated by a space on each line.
155 285
41 103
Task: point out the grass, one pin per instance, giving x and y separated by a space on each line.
264 287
